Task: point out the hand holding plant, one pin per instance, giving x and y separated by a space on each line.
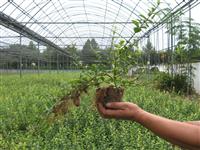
118 110
109 81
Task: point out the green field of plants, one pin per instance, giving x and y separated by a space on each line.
25 103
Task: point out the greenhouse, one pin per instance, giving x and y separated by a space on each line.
100 74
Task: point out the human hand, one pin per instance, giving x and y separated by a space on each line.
119 110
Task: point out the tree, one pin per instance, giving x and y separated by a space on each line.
187 34
32 46
94 45
74 53
89 52
72 50
150 54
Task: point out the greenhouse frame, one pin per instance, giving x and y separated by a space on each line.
155 43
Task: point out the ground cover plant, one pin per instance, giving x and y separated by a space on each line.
25 102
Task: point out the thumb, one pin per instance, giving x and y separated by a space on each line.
116 105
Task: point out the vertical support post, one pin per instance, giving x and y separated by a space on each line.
189 65
168 49
148 61
163 55
6 63
26 63
20 61
63 63
57 62
158 48
172 58
50 63
38 64
67 62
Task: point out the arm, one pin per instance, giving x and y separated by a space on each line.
183 134
179 133
197 123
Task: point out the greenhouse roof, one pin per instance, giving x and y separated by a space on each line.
64 22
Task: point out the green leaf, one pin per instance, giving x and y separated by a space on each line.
121 42
150 21
137 29
149 14
143 16
153 16
144 27
136 23
153 9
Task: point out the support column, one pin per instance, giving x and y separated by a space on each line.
20 60
57 62
38 64
63 62
189 64
172 58
50 63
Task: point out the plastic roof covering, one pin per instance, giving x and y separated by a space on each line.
66 21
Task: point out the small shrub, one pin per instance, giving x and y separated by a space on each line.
139 70
154 69
177 83
164 81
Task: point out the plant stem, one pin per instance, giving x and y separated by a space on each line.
114 70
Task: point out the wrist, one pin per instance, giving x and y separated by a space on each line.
140 115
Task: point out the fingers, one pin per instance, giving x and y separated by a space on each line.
108 113
100 94
116 105
100 107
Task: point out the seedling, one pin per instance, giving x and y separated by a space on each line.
109 83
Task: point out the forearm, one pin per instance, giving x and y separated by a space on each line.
179 133
196 123
181 145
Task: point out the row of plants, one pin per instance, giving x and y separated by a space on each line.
178 83
25 102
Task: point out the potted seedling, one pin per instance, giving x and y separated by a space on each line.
109 83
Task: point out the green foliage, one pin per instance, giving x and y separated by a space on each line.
49 58
74 53
143 22
121 58
137 29
32 46
11 56
136 23
23 124
154 69
177 83
89 52
188 37
150 55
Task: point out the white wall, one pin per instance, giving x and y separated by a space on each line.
196 78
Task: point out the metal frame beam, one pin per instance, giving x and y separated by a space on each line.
72 37
167 17
89 22
64 22
16 26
